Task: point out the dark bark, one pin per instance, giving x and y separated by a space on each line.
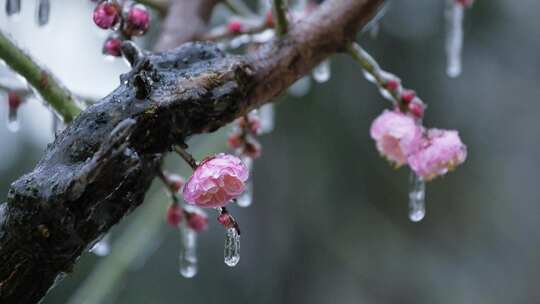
99 168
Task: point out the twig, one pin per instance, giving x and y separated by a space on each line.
50 89
249 27
280 17
190 160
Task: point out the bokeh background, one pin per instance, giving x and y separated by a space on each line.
329 221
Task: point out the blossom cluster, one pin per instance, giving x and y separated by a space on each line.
429 152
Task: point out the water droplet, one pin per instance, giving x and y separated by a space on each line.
187 259
43 12
245 199
267 118
454 37
13 124
13 7
232 247
369 77
103 247
321 73
417 195
301 87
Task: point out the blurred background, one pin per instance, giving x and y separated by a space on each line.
329 220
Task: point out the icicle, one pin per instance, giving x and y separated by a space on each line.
321 73
13 7
188 252
246 198
454 37
43 12
301 87
13 120
267 117
417 195
103 247
232 247
57 124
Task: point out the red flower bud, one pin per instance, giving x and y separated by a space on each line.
235 141
112 47
174 214
106 15
14 100
235 27
137 21
416 107
391 84
407 96
197 221
225 219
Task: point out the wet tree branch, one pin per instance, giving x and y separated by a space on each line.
100 167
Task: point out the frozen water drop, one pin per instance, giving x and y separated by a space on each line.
267 118
103 247
417 195
13 124
301 87
43 12
369 77
454 37
13 7
321 73
187 259
232 247
245 199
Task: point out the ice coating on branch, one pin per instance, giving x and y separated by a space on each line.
43 12
14 102
245 199
103 247
321 73
417 197
440 152
396 136
13 7
216 181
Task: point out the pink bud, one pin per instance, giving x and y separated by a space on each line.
225 219
175 181
235 27
138 20
252 149
392 84
112 47
407 96
235 140
416 107
174 214
269 19
14 100
106 15
197 221
216 181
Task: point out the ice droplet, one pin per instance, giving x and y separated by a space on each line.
369 77
321 73
245 199
187 259
13 7
103 247
232 247
417 195
267 117
43 12
454 37
301 87
13 124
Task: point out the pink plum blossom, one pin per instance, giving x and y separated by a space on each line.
396 136
216 181
441 151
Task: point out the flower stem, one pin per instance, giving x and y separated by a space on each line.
190 160
56 95
280 17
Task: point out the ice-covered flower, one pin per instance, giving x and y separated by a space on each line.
106 15
138 20
396 136
441 151
216 181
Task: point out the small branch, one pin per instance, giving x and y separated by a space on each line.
249 27
280 17
190 160
60 99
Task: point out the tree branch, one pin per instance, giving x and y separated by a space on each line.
100 167
60 99
280 17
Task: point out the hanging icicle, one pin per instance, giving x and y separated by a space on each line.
454 35
43 12
321 73
232 247
14 102
246 198
13 7
187 259
103 247
267 118
417 196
